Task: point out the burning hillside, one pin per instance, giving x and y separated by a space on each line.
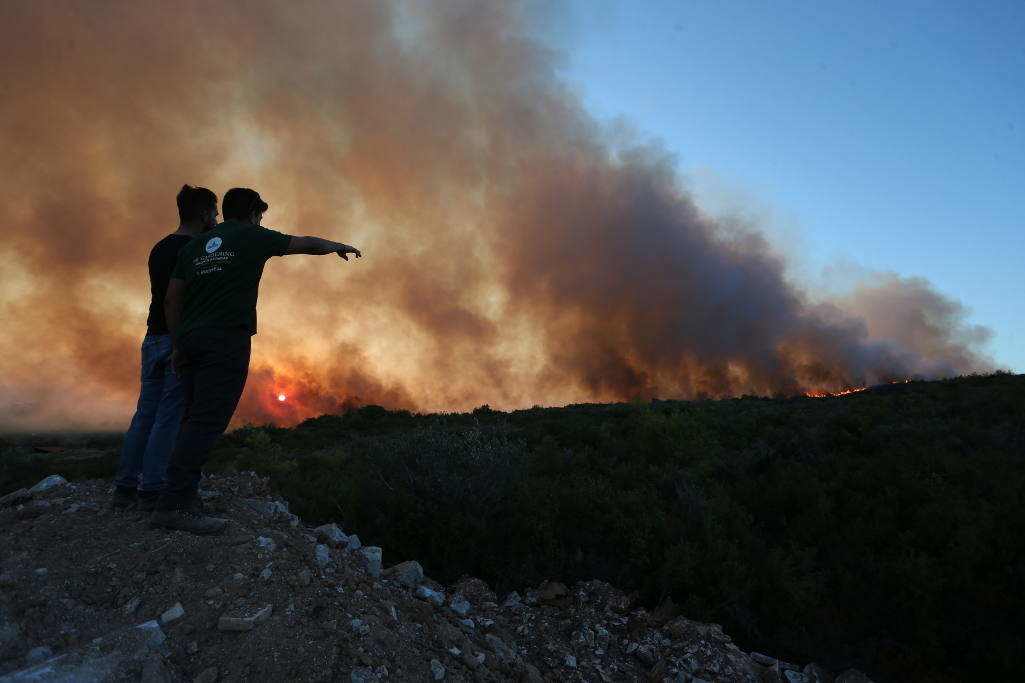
516 254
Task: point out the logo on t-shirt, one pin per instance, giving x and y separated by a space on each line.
213 244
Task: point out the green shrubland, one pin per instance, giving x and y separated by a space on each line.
883 530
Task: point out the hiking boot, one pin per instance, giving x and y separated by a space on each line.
195 505
148 501
184 520
123 499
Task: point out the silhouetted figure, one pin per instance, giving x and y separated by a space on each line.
211 313
151 436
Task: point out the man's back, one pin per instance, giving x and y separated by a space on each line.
222 270
162 259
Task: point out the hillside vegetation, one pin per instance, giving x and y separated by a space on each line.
882 530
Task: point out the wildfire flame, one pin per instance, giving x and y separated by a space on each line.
844 392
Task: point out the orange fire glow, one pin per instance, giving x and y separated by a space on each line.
844 392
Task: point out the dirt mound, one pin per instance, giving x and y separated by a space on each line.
88 593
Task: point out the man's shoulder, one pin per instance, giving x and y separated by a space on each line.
170 245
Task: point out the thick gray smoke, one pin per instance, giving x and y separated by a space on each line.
514 254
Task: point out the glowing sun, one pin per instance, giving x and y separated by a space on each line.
281 397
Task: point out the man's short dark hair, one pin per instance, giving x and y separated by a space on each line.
194 201
239 202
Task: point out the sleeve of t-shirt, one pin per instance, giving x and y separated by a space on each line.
271 242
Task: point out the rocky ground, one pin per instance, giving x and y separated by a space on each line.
91 594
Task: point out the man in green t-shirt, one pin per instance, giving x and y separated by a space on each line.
211 315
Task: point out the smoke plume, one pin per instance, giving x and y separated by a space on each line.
515 253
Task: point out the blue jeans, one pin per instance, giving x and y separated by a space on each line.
158 416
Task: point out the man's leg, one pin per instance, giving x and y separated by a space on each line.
132 452
219 361
164 432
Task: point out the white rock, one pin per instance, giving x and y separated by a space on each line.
321 555
764 660
571 661
154 636
176 611
511 599
354 543
268 544
266 574
48 483
269 508
409 574
455 650
263 614
372 560
437 670
467 624
333 533
131 606
431 596
460 607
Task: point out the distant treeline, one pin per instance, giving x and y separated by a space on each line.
883 530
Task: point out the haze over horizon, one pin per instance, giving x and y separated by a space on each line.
519 247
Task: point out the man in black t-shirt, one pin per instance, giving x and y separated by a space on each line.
211 313
151 436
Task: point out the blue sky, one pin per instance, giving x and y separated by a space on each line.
887 134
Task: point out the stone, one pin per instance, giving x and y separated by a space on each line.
235 624
460 607
266 574
499 647
48 483
268 544
15 497
192 648
354 543
571 661
372 560
38 654
429 595
645 654
321 555
151 632
332 533
511 599
131 606
791 676
532 674
764 660
207 675
437 670
269 508
853 676
554 590
213 592
175 611
128 649
263 614
817 673
410 574
467 625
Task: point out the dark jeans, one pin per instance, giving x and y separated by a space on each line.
213 375
158 415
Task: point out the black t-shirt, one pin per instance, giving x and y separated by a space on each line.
222 270
161 263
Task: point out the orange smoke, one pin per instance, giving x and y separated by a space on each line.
515 254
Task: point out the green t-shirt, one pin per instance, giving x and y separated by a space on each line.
222 270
